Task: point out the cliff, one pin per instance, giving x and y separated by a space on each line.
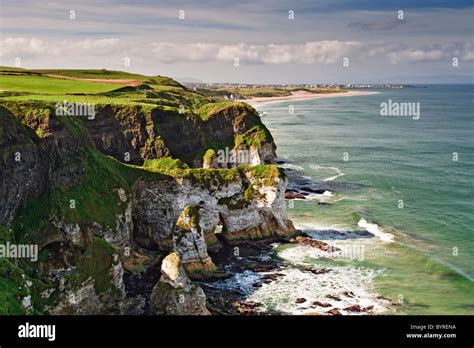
127 182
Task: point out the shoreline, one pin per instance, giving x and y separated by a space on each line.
306 96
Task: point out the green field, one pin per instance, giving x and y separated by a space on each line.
21 85
49 85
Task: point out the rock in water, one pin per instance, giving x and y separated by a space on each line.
175 294
314 243
190 243
294 195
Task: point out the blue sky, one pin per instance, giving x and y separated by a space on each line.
270 47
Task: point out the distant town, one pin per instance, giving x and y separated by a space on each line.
202 85
239 91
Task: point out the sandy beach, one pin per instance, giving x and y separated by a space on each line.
304 95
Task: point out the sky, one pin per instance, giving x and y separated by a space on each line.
268 41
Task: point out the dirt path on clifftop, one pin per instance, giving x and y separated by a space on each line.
124 82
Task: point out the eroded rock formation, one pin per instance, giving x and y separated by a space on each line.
175 294
91 213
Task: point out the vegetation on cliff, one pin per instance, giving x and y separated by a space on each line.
158 102
89 182
96 263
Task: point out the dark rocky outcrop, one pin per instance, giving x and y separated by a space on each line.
148 134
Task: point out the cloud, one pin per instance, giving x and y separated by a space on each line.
165 52
314 52
22 47
414 55
311 52
34 47
468 52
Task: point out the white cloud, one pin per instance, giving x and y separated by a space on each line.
311 52
468 52
308 53
414 55
37 48
314 52
22 47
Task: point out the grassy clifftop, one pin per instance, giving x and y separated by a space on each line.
162 116
74 171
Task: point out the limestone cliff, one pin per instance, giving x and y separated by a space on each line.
68 187
189 241
248 202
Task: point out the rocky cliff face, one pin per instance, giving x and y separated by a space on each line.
246 206
21 173
96 285
189 241
90 213
143 134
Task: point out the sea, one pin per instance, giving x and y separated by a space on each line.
394 193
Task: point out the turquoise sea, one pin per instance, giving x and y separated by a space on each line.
408 182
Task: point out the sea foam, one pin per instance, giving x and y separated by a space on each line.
375 230
280 295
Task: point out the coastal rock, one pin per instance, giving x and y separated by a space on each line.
354 308
247 206
294 195
189 242
348 294
271 277
334 311
300 300
246 307
175 294
332 297
313 243
320 304
262 267
316 270
312 190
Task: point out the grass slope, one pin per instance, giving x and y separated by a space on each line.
49 85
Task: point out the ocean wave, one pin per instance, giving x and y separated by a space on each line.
324 197
292 166
375 230
331 178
